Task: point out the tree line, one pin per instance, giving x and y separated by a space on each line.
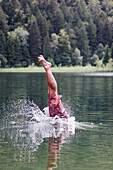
66 32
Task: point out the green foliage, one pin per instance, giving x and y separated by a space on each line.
51 61
94 60
107 32
3 21
55 29
54 42
34 41
112 51
82 10
13 49
106 56
25 61
76 57
72 36
110 63
83 43
64 48
22 34
46 47
3 61
107 6
2 42
16 46
94 8
92 35
100 51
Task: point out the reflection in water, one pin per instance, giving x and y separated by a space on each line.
25 127
54 148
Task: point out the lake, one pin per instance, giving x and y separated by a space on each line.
29 140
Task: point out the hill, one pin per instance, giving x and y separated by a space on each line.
66 32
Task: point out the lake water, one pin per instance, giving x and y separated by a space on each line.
29 140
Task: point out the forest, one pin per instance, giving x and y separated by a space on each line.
66 32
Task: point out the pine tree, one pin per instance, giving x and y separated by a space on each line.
76 18
25 56
3 22
10 52
94 60
106 56
82 10
56 16
100 51
43 27
2 43
107 33
85 49
13 49
76 57
100 22
9 9
112 51
54 42
47 51
94 9
72 36
92 36
28 12
17 53
64 48
83 42
107 6
34 41
86 22
54 47
67 12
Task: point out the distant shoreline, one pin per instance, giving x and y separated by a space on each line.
76 69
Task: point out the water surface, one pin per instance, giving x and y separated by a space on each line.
29 140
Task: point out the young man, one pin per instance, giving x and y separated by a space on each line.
55 105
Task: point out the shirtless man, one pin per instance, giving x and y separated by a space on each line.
55 105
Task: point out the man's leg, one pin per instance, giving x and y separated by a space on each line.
52 84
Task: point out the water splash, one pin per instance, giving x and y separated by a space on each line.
26 126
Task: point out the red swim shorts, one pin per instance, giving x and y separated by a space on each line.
56 107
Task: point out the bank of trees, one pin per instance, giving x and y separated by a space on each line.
66 32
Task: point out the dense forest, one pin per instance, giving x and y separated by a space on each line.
66 32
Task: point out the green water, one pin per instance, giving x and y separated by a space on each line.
24 146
